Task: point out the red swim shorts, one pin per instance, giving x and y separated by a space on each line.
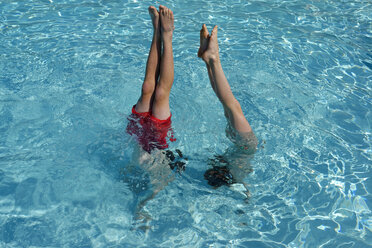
150 131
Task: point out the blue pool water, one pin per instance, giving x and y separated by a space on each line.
71 70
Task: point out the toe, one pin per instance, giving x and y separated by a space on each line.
161 9
205 31
152 10
214 31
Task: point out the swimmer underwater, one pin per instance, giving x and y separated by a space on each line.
233 164
150 120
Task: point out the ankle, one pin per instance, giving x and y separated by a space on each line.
156 32
212 59
167 40
168 35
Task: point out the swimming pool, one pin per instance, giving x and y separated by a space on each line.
71 70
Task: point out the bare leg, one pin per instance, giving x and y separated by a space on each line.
160 107
233 111
152 66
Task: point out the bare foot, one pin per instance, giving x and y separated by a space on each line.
211 53
154 17
166 21
204 37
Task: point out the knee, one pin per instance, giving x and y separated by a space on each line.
235 107
161 94
148 88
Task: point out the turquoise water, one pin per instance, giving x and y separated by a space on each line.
71 70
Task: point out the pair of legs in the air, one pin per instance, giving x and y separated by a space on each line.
208 51
160 75
159 69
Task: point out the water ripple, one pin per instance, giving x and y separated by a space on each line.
71 70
